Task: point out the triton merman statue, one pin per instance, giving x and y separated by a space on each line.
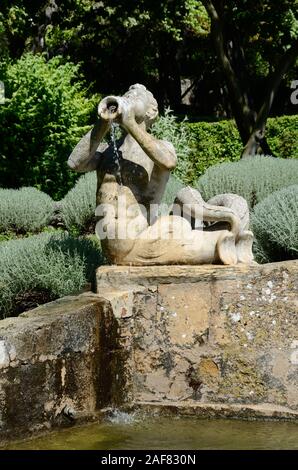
132 176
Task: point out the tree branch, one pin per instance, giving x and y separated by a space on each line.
257 136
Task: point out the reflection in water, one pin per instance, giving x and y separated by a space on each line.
124 432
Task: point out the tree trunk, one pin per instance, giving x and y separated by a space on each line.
257 137
169 74
251 126
242 112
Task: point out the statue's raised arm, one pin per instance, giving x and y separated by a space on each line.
134 112
84 156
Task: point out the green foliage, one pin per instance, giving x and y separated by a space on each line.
172 188
156 43
196 18
282 136
138 38
218 142
24 210
168 128
78 206
214 142
51 264
4 237
275 225
3 41
136 19
44 115
264 28
253 178
264 20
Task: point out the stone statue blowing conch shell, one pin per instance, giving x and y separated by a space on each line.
132 175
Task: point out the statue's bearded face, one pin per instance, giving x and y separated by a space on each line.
145 105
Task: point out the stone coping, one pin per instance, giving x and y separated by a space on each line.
264 412
126 276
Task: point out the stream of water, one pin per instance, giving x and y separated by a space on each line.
116 152
127 432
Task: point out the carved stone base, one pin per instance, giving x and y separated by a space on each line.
207 334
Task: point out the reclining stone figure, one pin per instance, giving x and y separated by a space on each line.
132 176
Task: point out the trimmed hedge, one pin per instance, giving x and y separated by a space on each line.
213 143
217 142
282 135
253 178
45 265
275 225
24 210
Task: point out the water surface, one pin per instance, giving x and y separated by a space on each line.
126 432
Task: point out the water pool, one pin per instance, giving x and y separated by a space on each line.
127 432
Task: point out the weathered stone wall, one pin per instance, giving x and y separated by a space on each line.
208 334
54 365
207 340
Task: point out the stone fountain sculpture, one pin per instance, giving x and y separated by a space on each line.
132 175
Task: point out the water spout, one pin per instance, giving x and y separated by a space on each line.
112 109
116 153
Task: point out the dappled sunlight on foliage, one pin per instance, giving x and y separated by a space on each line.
45 113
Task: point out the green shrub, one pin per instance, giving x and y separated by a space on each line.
282 136
218 142
168 128
45 113
172 188
275 225
49 264
78 206
4 237
24 210
253 178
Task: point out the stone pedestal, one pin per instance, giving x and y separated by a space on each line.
207 334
